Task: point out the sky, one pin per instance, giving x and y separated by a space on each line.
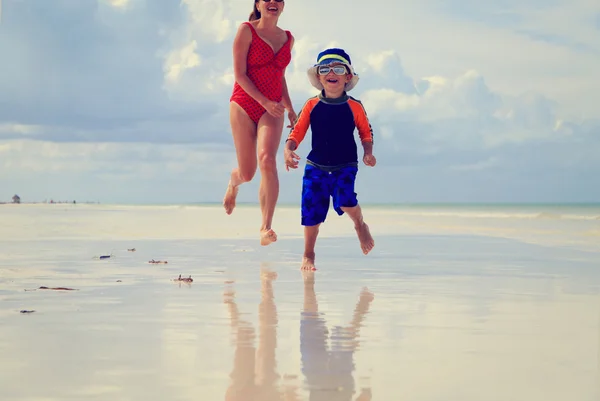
126 101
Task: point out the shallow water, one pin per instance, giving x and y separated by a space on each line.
424 317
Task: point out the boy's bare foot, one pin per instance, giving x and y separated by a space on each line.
267 236
366 295
229 199
364 236
308 263
268 274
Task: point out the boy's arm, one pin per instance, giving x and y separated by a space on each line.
367 147
290 144
297 133
300 128
365 131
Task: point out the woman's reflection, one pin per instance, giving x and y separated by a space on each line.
254 376
329 372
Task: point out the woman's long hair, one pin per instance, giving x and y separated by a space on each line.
255 14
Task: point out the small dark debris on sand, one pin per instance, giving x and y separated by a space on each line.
131 249
105 256
24 311
184 279
160 262
57 288
119 281
54 288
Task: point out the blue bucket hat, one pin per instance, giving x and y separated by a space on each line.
330 56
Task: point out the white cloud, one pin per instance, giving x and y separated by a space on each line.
180 60
447 38
387 69
20 129
209 19
481 165
187 73
37 156
112 171
466 101
119 3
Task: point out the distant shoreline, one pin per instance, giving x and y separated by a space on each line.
376 205
51 203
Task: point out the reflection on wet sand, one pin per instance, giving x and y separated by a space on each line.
254 376
329 371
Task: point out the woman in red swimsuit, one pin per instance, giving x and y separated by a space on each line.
261 53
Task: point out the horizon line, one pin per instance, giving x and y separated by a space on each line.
297 203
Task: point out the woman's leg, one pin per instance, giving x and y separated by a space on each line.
269 136
243 130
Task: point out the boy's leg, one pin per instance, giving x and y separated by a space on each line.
315 204
362 229
345 201
310 239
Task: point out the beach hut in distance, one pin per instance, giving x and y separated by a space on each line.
16 199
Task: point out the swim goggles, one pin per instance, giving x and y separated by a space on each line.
337 70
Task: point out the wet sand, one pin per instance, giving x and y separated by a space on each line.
438 315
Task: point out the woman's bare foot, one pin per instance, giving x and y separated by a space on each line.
308 276
267 236
365 395
229 199
228 296
308 262
364 236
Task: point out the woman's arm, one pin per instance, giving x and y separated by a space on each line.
241 44
287 102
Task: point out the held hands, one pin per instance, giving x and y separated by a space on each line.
290 158
273 108
369 160
277 109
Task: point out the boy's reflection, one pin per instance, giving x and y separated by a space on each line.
254 376
329 372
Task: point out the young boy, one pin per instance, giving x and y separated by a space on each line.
332 163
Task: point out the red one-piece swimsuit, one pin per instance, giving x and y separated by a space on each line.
265 68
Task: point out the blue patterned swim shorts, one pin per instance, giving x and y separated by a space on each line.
318 186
